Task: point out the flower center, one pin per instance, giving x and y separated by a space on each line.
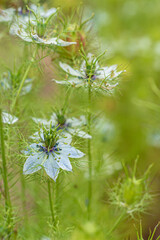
61 120
90 72
55 148
41 28
23 11
50 137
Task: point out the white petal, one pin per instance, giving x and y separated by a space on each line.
79 133
48 13
60 42
74 82
51 41
75 122
53 119
70 70
30 150
8 118
33 163
65 138
41 121
108 72
24 36
37 39
38 136
116 74
63 162
154 138
42 12
110 69
26 89
51 167
70 151
7 15
62 82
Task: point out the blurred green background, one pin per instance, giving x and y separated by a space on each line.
130 31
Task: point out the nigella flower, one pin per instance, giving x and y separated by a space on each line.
101 78
69 125
36 29
51 153
7 15
42 12
23 14
8 118
153 137
106 129
10 81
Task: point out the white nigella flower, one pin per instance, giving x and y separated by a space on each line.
45 238
8 118
9 81
23 14
7 15
41 11
153 137
106 128
69 125
101 78
108 167
36 28
52 153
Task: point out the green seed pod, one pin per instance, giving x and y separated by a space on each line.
132 191
41 28
131 194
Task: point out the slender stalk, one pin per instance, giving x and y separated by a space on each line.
23 197
8 206
51 204
89 154
4 166
24 78
116 223
57 196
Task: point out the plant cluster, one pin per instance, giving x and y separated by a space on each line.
40 149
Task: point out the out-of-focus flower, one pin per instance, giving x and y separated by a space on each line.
23 14
51 152
72 125
8 118
108 167
7 15
10 81
105 128
153 138
102 79
36 29
45 238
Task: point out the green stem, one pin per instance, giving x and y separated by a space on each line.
89 154
51 204
57 196
116 223
4 166
8 206
24 78
23 197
